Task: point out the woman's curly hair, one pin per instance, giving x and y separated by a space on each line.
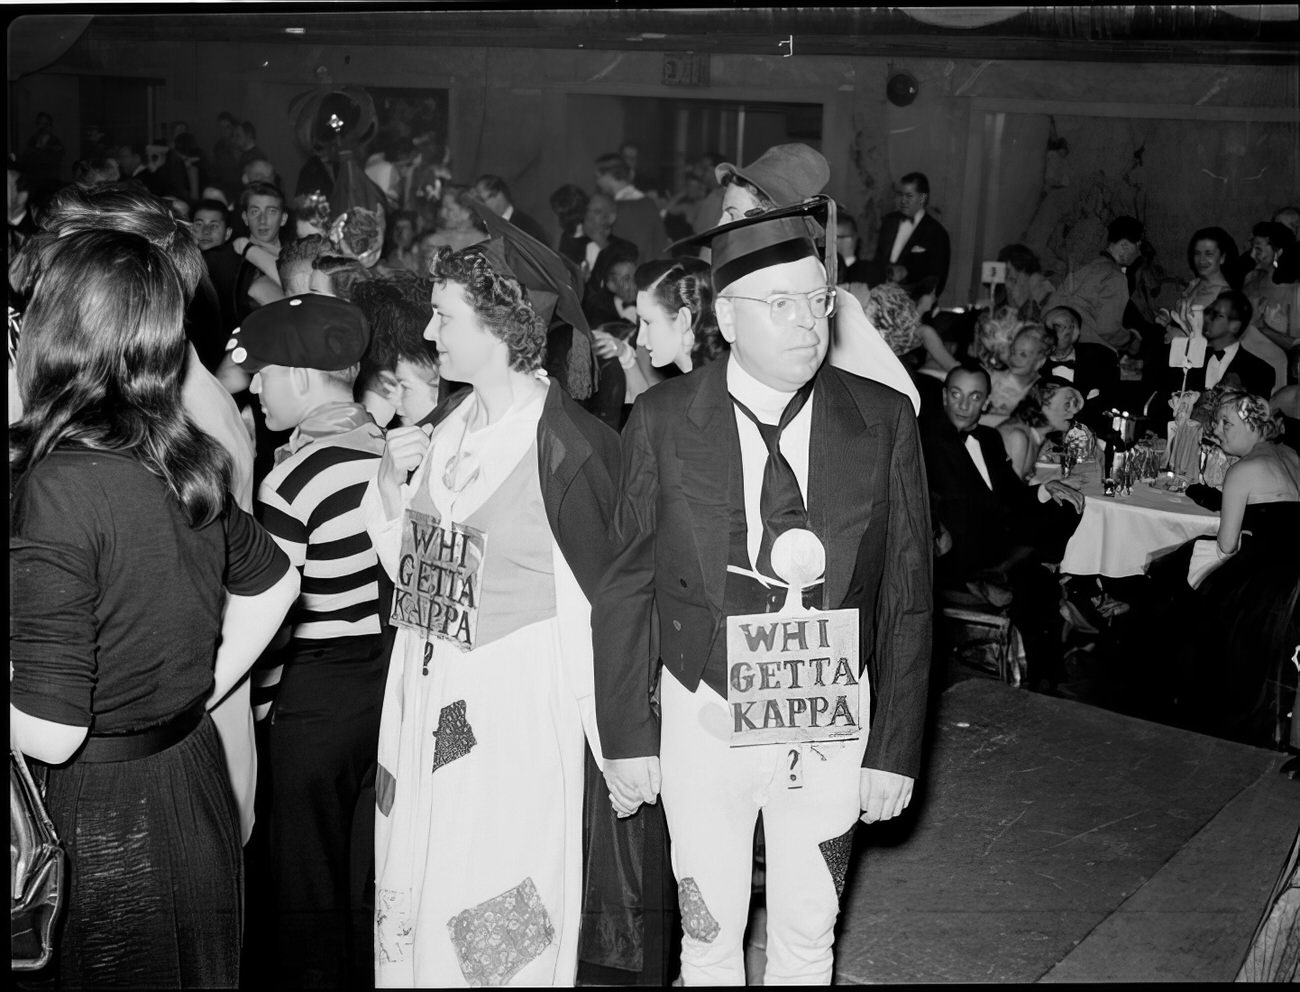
1253 410
499 301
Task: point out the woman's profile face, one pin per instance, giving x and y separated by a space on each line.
416 393
1262 251
467 349
1235 436
1061 408
1206 257
658 331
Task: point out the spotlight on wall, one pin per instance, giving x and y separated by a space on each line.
902 89
295 30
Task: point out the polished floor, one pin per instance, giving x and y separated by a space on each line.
1056 839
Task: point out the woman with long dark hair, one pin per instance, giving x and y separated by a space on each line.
124 541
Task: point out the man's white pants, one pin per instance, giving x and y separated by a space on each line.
712 795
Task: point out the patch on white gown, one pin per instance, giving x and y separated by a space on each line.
836 852
455 737
393 935
697 921
385 789
496 938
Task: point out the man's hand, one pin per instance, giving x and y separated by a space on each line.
883 795
632 781
1062 493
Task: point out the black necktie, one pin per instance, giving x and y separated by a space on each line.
780 501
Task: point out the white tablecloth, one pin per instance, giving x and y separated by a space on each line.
1119 535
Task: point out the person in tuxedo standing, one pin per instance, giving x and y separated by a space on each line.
911 237
717 463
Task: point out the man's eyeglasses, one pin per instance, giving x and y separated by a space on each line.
784 307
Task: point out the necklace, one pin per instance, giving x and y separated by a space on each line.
456 464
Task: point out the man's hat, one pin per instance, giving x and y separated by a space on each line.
786 174
303 332
767 239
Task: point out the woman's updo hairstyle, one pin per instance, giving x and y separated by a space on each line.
685 282
1253 410
499 301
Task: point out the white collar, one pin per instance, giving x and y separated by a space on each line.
629 193
510 209
766 403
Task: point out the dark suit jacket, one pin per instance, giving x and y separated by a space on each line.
1244 371
638 221
681 476
925 255
981 521
529 226
1096 367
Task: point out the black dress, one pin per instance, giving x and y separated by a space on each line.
116 608
1242 626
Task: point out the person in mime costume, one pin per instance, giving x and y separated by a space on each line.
716 465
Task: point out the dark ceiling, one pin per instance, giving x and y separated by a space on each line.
1180 33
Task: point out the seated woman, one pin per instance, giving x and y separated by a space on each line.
1210 249
1027 289
1048 408
141 595
1241 625
1028 353
480 785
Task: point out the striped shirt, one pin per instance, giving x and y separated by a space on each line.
310 503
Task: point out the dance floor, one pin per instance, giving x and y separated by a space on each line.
1053 840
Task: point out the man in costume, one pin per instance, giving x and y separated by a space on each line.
716 465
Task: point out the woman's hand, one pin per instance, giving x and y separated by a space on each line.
404 449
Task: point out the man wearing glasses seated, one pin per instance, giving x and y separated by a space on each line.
717 464
1226 362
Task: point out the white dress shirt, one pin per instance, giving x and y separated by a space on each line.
1215 367
767 405
977 456
905 228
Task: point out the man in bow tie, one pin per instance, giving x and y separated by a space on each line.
1093 368
716 464
913 238
1226 362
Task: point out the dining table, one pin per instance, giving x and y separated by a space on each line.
1120 535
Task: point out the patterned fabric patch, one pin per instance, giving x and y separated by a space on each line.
455 737
496 938
697 921
385 790
393 936
836 851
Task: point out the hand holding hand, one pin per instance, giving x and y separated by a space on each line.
632 781
883 795
605 344
1062 493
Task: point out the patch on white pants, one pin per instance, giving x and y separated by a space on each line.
697 921
836 852
496 938
455 737
393 936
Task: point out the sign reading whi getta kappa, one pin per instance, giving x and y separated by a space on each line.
793 678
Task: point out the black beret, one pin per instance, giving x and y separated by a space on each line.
303 332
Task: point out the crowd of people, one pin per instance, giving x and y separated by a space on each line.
372 529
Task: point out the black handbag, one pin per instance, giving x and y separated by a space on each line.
37 863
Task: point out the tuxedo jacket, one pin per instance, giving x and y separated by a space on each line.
925 255
981 520
1244 371
664 595
1096 367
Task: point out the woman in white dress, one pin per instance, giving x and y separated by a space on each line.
496 543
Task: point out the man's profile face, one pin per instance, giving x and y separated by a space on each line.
963 399
781 355
1126 251
911 200
496 202
264 216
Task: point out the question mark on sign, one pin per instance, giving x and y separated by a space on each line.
796 773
